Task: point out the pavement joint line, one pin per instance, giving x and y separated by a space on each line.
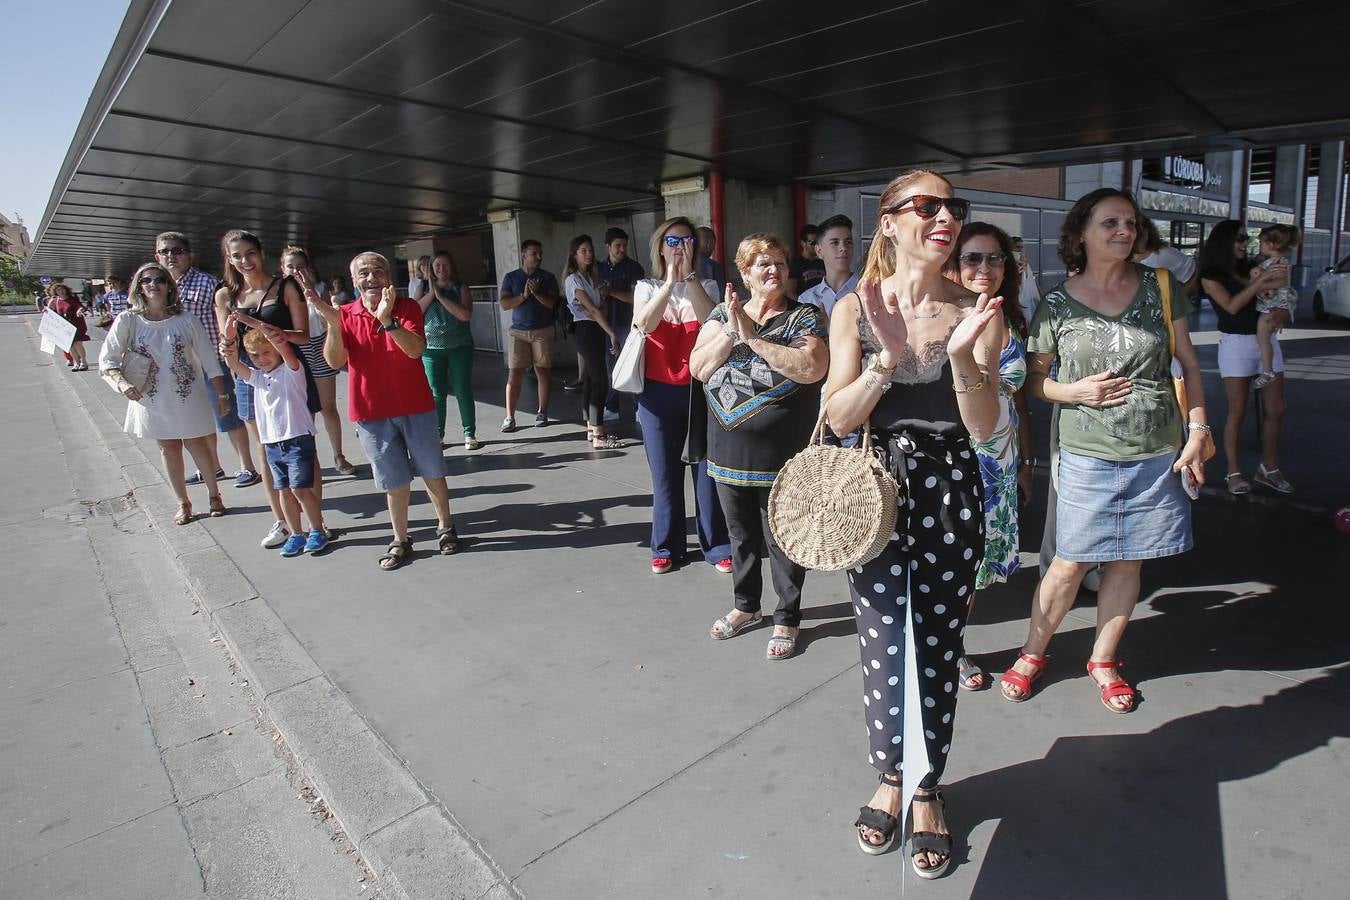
210 734
389 874
397 819
213 795
683 769
74 681
89 837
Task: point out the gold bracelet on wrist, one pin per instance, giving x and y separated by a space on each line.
979 385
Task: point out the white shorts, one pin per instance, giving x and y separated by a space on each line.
1240 357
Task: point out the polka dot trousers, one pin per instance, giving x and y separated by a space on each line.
922 580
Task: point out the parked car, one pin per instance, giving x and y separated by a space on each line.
1332 296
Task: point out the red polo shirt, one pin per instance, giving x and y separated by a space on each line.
382 380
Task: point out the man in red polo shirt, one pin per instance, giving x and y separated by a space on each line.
380 340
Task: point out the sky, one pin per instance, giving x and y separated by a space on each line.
44 103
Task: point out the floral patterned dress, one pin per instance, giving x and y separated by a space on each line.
998 467
177 402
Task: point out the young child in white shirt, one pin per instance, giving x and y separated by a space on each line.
285 426
1276 306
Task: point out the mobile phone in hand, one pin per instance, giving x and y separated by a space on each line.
1188 484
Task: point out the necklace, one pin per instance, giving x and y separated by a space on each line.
937 315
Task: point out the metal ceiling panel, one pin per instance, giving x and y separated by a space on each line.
338 122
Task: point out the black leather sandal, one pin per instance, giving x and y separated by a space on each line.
878 820
930 842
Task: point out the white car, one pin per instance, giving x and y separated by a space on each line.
1332 296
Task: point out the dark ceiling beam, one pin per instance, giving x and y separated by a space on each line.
285 195
396 100
587 45
372 151
253 214
1119 48
395 185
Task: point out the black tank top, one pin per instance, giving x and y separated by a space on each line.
1241 322
921 397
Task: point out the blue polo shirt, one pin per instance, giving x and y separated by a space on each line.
621 277
531 314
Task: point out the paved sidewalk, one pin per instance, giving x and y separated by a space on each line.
133 761
568 709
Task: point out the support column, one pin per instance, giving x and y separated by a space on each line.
746 208
1331 193
1237 186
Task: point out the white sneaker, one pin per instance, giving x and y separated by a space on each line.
277 536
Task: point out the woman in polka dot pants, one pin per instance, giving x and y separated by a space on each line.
916 357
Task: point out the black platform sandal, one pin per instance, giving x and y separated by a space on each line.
447 541
878 820
930 842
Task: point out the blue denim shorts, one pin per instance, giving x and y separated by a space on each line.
243 399
293 462
230 421
402 447
1110 510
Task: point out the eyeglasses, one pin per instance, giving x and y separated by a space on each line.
926 206
152 279
675 241
974 259
171 251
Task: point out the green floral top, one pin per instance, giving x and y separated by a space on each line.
1132 344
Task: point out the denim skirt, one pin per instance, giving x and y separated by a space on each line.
1110 510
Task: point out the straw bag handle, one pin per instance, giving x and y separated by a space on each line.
818 433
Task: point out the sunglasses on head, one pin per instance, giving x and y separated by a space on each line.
146 280
675 241
973 259
926 206
172 251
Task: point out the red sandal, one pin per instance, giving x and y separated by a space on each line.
1118 688
1016 679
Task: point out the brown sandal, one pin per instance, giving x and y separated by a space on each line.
184 514
217 506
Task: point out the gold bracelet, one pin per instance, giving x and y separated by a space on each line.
979 385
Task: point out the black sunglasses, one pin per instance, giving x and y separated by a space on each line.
926 206
974 259
171 251
152 279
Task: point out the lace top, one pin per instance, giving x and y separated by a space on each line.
921 397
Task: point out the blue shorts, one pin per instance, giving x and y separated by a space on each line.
243 399
230 420
1110 511
293 462
402 447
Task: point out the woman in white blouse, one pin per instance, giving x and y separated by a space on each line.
155 356
594 337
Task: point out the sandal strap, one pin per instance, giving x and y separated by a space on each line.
1093 665
934 797
930 842
890 778
877 820
1115 689
1033 661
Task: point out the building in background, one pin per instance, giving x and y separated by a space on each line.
14 238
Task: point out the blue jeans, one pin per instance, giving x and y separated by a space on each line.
663 415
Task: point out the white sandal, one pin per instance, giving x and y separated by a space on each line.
1240 487
1273 479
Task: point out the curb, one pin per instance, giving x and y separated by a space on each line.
412 844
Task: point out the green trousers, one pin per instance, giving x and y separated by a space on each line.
451 371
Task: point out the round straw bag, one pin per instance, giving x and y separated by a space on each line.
833 508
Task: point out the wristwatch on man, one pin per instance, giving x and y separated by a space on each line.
392 326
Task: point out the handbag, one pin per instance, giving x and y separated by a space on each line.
628 367
833 508
696 439
137 368
1207 449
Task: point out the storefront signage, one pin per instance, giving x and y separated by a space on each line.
1170 202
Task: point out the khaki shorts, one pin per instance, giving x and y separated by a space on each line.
533 347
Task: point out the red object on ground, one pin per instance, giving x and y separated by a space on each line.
1342 519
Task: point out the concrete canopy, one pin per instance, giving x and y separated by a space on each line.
336 123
